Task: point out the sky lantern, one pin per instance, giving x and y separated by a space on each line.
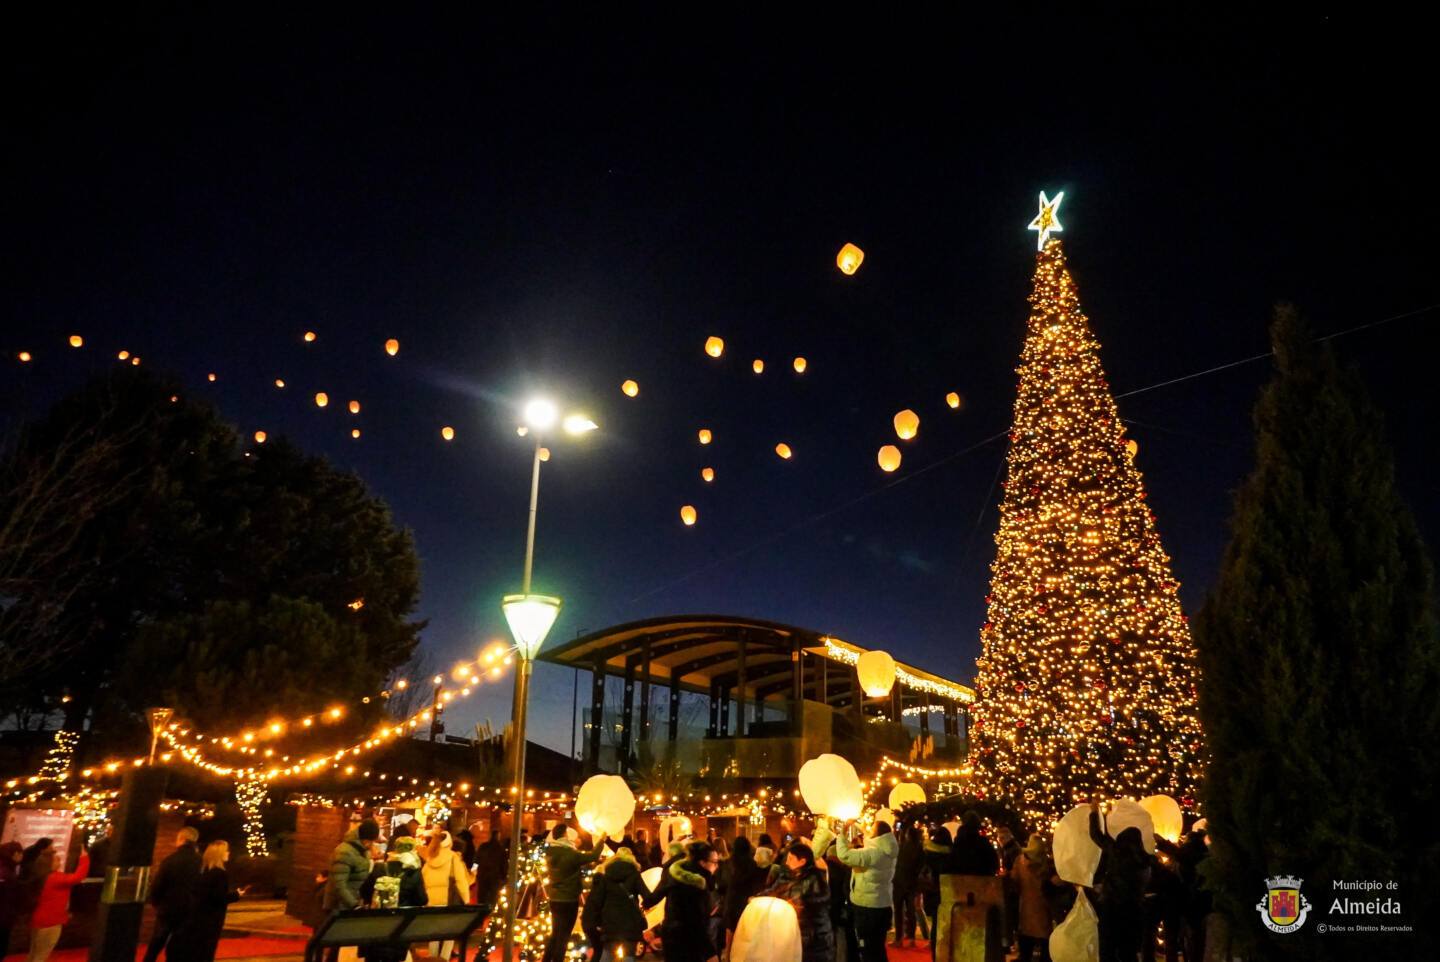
849 258
829 786
321 399
768 931
76 340
1128 813
355 433
448 433
135 360
705 436
953 399
392 347
876 670
687 514
259 437
24 357
522 430
354 407
210 377
714 346
907 422
123 355
889 458
309 337
906 793
604 806
544 454
800 365
280 382
784 451
707 474
1133 447
1165 813
630 388
1076 856
758 366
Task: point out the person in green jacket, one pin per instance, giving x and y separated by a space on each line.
350 866
564 863
871 879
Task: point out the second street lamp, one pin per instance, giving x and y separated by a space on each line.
530 618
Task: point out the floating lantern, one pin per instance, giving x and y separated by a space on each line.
392 347
707 474
953 399
1132 447
889 457
279 382
321 399
355 433
309 337
1128 813
829 786
876 670
714 346
783 450
604 806
448 433
210 377
800 365
1076 856
522 430
705 436
354 407
687 514
76 340
124 355
135 361
24 357
1165 813
655 915
907 422
768 931
630 388
906 793
543 454
259 437
849 258
758 366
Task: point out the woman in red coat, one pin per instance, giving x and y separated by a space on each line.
53 905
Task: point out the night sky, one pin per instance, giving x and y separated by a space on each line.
561 207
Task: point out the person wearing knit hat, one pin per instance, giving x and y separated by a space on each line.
1034 877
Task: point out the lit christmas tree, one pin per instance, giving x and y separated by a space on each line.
1087 673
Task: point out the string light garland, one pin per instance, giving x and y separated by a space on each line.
60 756
837 650
1087 674
250 792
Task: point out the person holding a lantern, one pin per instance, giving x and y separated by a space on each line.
564 863
872 879
805 887
686 929
612 910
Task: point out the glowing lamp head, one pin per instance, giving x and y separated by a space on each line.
530 618
578 424
541 415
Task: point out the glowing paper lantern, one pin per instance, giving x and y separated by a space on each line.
210 377
1165 813
124 355
309 336
1132 447
1127 813
1076 856
448 433
630 388
522 430
886 816
76 340
392 347
687 514
1201 825
953 399
544 454
714 346
354 407
705 436
321 399
259 437
651 877
768 931
800 365
889 457
907 422
135 361
707 474
829 786
279 382
675 828
783 450
355 432
24 357
758 366
849 258
876 670
604 806
906 793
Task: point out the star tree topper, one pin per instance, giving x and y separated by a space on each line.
1048 220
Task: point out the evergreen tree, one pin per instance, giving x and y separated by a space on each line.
1320 665
1086 676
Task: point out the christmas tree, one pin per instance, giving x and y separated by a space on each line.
1087 677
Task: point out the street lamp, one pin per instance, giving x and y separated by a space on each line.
530 617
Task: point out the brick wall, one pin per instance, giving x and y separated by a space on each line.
317 832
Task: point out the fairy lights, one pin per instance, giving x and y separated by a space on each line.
1087 672
837 650
250 791
56 766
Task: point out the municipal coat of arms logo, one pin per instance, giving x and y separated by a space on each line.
1283 909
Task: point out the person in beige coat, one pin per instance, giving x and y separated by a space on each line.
447 880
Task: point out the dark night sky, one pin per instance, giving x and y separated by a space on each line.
562 207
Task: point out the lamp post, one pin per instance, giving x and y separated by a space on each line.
530 617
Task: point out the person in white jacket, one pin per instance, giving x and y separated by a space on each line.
872 874
447 881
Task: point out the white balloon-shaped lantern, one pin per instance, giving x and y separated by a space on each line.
886 816
1076 854
1165 813
1127 813
877 673
906 793
655 914
674 828
829 786
768 931
605 806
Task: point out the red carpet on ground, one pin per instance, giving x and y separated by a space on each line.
229 949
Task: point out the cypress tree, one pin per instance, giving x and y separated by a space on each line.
1319 663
